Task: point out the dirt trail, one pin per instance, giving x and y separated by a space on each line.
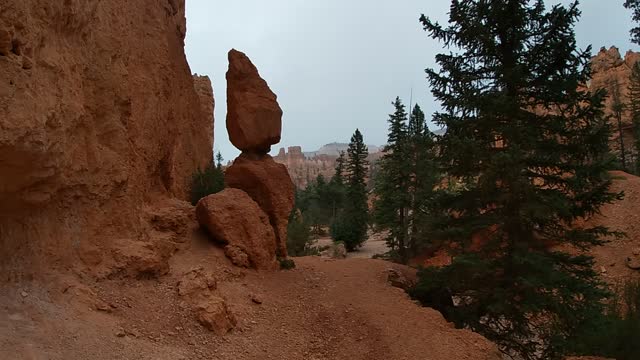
323 309
374 245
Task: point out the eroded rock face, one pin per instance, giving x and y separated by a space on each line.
269 184
254 118
99 117
234 219
203 87
611 71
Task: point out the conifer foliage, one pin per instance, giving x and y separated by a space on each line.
528 148
208 181
405 180
350 226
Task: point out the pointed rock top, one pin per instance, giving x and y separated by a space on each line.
254 118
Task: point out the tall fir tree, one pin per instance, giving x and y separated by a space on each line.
634 5
529 147
634 106
219 160
423 177
351 225
391 185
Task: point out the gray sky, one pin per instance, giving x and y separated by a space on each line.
336 65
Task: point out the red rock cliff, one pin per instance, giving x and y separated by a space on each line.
610 71
98 116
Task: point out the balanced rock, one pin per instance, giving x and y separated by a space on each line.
233 218
254 118
269 184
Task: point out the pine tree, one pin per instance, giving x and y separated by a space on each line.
423 177
336 185
634 106
391 185
635 6
338 176
351 225
219 160
529 147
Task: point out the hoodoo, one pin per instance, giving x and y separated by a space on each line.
254 123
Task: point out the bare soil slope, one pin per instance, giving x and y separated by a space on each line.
622 216
323 309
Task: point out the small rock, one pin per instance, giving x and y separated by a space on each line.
121 333
24 294
636 251
633 263
27 63
603 270
102 306
133 332
256 299
5 42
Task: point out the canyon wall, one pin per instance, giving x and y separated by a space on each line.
98 117
612 72
304 167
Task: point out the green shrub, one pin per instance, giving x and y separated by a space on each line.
206 182
286 263
616 333
299 241
350 231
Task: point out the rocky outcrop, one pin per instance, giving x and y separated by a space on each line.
254 118
269 184
234 219
254 124
99 118
304 167
203 87
612 72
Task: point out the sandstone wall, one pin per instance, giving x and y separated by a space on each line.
611 70
98 115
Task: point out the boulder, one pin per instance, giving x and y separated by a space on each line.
212 313
633 262
236 220
254 118
335 251
197 287
401 277
237 256
269 184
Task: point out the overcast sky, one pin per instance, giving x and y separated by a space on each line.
336 65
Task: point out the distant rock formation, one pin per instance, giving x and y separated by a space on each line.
100 118
304 167
334 149
610 70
